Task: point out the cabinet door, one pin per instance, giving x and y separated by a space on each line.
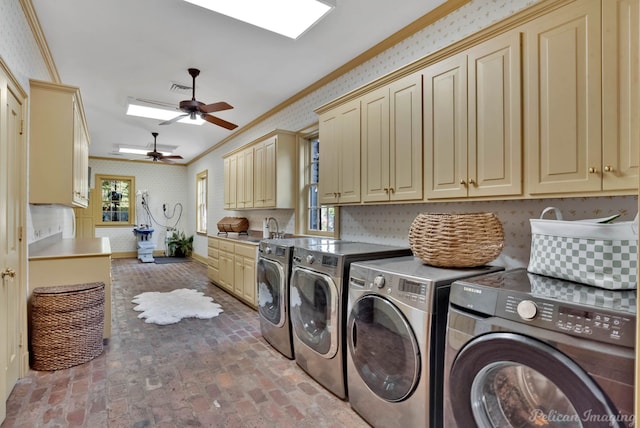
240 183
621 94
405 133
494 124
249 282
229 165
248 177
238 277
445 128
269 172
375 146
226 270
563 101
349 153
259 159
329 130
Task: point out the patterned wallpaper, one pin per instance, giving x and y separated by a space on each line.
391 223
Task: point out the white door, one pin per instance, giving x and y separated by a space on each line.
12 296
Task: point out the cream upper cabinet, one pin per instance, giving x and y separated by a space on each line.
391 126
621 94
472 105
274 171
230 165
563 100
244 178
340 154
59 146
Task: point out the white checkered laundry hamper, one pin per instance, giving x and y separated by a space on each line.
593 252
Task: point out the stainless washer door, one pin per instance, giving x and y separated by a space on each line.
383 348
511 380
314 303
272 292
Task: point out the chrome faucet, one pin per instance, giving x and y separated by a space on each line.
277 232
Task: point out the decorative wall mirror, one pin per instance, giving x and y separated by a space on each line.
117 200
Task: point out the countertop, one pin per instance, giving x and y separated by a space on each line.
70 247
252 239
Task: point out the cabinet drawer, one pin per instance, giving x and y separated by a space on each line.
226 246
214 243
246 250
213 253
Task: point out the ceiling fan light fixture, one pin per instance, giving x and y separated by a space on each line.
139 110
290 18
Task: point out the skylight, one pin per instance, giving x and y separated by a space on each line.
291 18
159 113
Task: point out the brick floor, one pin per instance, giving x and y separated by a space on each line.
218 372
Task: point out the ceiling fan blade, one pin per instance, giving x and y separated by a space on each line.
210 108
175 119
165 160
219 122
172 157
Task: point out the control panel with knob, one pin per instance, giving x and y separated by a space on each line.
527 310
379 281
310 259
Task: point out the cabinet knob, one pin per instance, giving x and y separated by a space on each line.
386 190
464 183
8 272
472 182
593 170
608 168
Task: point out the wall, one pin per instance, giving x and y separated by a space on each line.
391 223
163 184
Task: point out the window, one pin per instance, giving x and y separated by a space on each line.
201 202
320 219
117 200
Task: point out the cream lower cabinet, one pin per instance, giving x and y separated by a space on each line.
236 272
76 267
472 122
59 146
340 180
213 260
391 123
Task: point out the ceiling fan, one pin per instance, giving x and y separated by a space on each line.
158 156
194 107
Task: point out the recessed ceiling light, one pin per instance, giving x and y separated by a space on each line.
290 18
159 113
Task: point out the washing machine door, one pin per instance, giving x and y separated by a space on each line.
314 313
383 348
272 293
511 380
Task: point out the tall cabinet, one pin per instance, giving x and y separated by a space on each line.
59 146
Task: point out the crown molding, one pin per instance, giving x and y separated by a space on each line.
41 41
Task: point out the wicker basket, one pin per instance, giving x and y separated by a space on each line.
67 324
456 240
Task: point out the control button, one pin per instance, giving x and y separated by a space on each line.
527 309
268 250
310 259
379 281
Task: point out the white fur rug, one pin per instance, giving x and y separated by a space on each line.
170 308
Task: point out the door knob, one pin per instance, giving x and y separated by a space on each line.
593 170
8 272
608 168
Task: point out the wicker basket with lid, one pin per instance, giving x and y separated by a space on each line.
67 324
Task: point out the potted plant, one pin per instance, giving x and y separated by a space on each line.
180 245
